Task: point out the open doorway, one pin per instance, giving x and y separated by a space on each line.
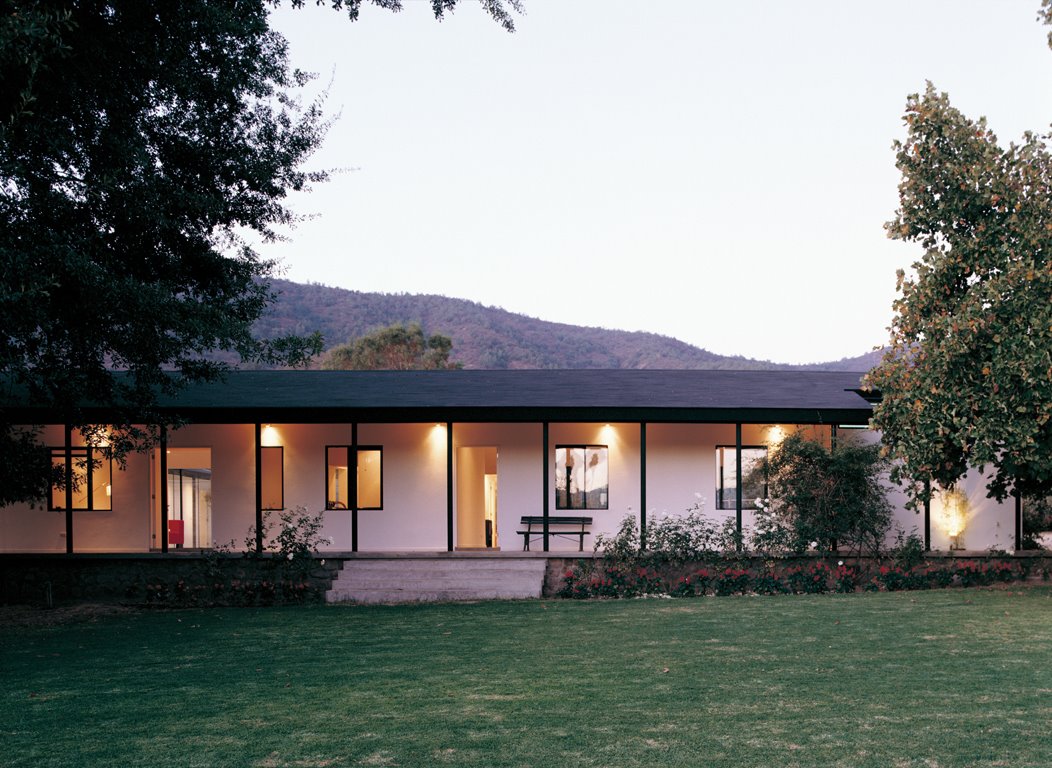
189 489
477 498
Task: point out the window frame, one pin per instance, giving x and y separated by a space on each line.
747 503
356 449
281 492
57 456
586 447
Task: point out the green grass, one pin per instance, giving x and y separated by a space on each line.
945 678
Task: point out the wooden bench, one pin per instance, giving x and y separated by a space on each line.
568 527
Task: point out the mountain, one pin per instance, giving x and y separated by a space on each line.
490 337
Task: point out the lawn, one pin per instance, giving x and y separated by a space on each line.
943 678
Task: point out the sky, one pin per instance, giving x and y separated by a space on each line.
718 172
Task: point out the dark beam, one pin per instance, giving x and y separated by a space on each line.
544 508
738 484
449 486
69 487
642 485
353 486
259 487
163 469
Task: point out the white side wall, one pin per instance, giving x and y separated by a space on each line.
126 528
519 479
233 476
681 463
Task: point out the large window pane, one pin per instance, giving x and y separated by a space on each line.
272 474
754 485
368 472
370 478
92 479
581 477
337 495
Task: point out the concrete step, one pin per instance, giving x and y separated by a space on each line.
403 580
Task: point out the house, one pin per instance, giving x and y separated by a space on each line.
434 461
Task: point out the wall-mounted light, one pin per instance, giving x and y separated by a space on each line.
775 436
270 436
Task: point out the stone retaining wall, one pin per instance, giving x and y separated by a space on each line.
183 578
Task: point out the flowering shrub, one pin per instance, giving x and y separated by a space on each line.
696 583
970 573
591 580
845 578
812 579
768 582
892 578
584 580
731 581
293 539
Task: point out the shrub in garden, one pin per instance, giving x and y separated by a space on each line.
293 539
768 582
696 583
811 579
731 581
845 578
821 497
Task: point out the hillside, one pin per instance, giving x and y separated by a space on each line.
489 337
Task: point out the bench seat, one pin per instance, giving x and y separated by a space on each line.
566 526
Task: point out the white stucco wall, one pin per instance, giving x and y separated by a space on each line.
124 528
519 462
681 463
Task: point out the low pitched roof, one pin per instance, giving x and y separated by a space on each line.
820 397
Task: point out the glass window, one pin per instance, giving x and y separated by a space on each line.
754 485
368 473
272 474
92 479
581 477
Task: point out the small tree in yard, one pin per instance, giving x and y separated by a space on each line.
823 497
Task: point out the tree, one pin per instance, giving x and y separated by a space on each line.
823 496
139 141
495 8
394 348
967 377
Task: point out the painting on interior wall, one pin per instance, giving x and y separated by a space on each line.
582 477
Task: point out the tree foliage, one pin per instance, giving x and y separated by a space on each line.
140 142
821 496
394 348
967 377
497 9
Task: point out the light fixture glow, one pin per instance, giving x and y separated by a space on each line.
775 436
270 436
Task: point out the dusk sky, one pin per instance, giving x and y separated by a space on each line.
719 172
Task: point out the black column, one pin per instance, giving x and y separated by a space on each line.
738 484
642 485
1018 519
352 485
927 516
163 469
449 486
259 488
69 487
544 507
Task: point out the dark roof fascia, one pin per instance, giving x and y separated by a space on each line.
325 415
